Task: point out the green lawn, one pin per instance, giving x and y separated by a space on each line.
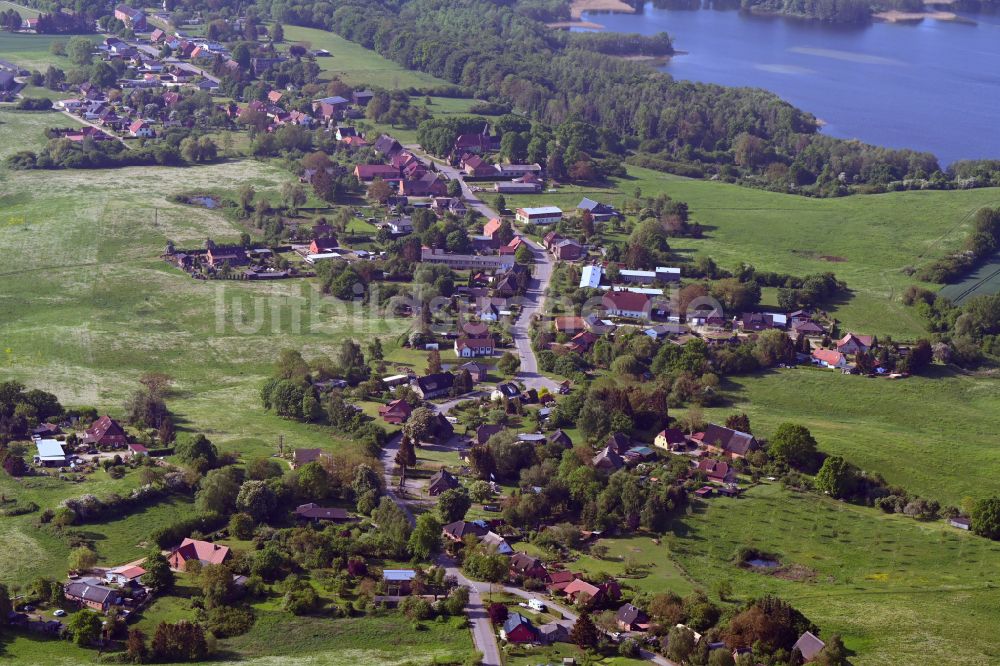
355 64
867 241
898 590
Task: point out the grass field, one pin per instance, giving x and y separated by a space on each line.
32 51
865 240
25 12
900 591
355 64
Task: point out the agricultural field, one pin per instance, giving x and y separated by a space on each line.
867 241
983 282
898 590
88 306
32 51
355 64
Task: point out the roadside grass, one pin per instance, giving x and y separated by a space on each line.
898 590
866 241
934 435
356 65
31 52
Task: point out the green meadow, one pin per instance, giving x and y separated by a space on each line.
356 65
867 241
32 51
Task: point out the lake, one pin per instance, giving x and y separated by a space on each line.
932 86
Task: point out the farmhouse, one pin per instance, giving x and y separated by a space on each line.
322 245
541 215
720 439
631 618
124 575
599 211
598 595
398 581
366 173
302 457
201 551
131 17
670 439
557 581
396 412
105 432
88 594
608 460
473 347
627 304
523 565
458 530
217 255
716 470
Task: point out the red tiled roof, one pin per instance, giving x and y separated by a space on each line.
205 552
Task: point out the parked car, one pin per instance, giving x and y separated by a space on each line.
536 604
59 613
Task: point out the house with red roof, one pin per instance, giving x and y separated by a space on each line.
627 304
852 343
717 470
830 358
366 173
580 591
670 439
492 228
726 441
192 550
556 581
396 412
105 432
140 128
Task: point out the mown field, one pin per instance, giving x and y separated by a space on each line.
355 64
32 51
867 241
25 12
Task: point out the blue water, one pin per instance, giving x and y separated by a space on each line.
934 86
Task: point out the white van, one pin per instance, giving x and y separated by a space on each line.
536 604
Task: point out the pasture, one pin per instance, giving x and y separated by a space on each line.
898 590
32 51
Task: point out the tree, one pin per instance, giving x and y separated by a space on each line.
740 422
497 612
500 203
453 504
420 426
218 490
183 641
433 362
158 574
523 255
80 51
379 191
263 469
836 477
584 633
257 499
680 644
277 33
313 481
406 456
795 446
135 647
241 526
985 518
366 480
197 452
82 559
508 364
721 657
217 586
85 627
425 540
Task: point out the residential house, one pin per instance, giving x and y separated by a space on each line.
44 430
631 618
852 343
157 36
720 439
557 581
553 632
140 128
671 439
477 371
428 185
560 438
137 450
458 530
387 146
91 595
829 358
132 17
807 327
608 461
323 244
582 342
473 347
492 230
627 304
401 226
398 582
466 261
441 481
192 550
485 431
716 470
618 442
580 591
474 143
396 412
106 433
366 173
475 166
302 457
756 321
497 543
809 646
434 385
569 325
507 390
539 215
315 513
599 211
517 629
523 565
346 132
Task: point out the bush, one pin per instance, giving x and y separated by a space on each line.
34 104
226 621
